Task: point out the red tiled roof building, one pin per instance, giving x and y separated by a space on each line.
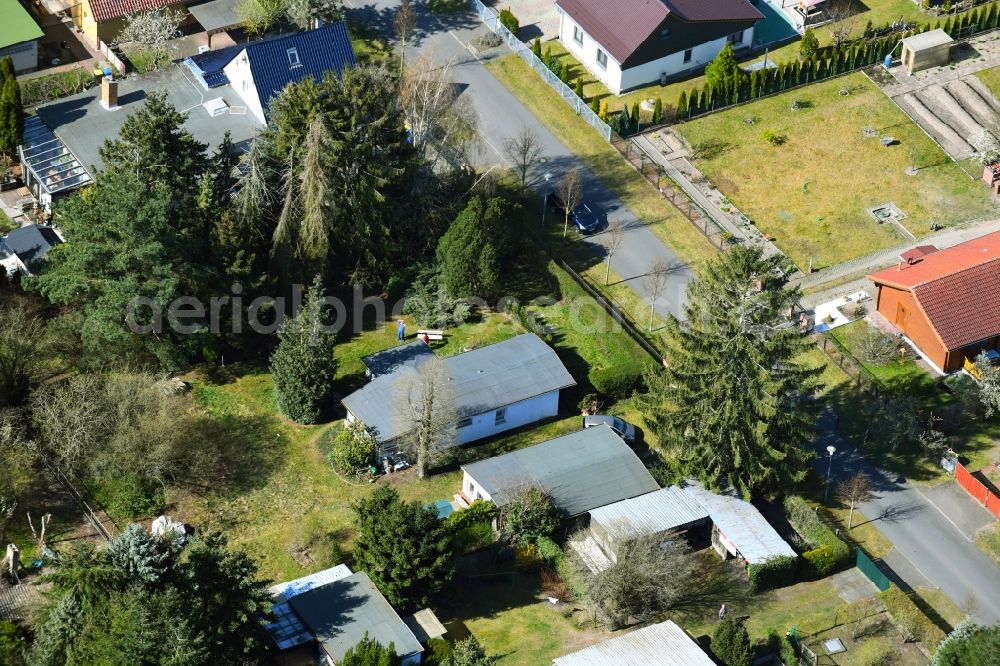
947 302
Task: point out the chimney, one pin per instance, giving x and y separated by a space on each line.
109 93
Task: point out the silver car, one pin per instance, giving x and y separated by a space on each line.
623 429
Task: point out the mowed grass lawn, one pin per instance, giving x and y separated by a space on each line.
810 194
991 77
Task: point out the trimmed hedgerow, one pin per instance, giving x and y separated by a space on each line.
775 572
828 553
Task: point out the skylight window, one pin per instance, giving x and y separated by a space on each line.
293 57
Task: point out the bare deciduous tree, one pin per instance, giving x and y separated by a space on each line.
656 283
613 238
854 490
570 190
404 22
844 17
425 414
437 114
524 152
653 575
150 33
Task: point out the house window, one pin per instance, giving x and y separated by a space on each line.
688 54
577 35
244 85
479 496
293 57
501 416
465 423
602 59
471 486
736 38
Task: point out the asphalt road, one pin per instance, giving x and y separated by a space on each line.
501 116
931 547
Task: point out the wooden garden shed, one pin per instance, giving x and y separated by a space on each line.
926 50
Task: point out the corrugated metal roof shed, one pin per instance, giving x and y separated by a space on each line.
742 524
663 644
661 511
484 379
580 471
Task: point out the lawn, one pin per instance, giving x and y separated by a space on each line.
988 541
991 77
810 193
291 511
602 159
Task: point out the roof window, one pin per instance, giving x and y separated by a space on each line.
293 57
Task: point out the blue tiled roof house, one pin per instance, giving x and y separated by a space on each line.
260 70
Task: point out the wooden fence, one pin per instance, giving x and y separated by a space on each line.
977 489
670 191
112 57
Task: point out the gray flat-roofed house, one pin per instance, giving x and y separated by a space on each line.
580 471
340 613
497 387
663 644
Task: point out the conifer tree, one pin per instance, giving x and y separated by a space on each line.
11 111
578 89
731 643
369 652
416 562
682 105
303 366
536 48
658 111
734 402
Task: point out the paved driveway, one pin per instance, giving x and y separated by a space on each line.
927 547
502 116
538 18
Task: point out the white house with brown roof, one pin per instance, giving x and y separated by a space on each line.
632 43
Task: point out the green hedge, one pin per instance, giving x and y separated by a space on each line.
617 382
509 21
550 551
912 623
828 552
776 572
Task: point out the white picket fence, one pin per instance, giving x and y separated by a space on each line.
580 108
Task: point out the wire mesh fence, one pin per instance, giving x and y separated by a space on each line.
580 108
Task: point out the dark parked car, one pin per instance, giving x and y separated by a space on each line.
623 429
582 216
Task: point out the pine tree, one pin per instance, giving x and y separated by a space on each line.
472 250
536 48
731 643
412 566
303 365
11 111
635 116
658 111
578 89
682 105
735 333
595 105
564 72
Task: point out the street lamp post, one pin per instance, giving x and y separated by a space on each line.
826 494
545 199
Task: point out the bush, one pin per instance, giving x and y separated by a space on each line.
439 651
828 552
474 537
552 584
617 382
509 21
912 623
447 6
529 515
352 449
480 511
819 562
128 497
549 550
775 572
782 646
773 137
41 89
526 556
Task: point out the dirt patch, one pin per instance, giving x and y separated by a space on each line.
726 186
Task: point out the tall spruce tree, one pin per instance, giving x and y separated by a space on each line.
303 366
734 402
471 251
413 565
